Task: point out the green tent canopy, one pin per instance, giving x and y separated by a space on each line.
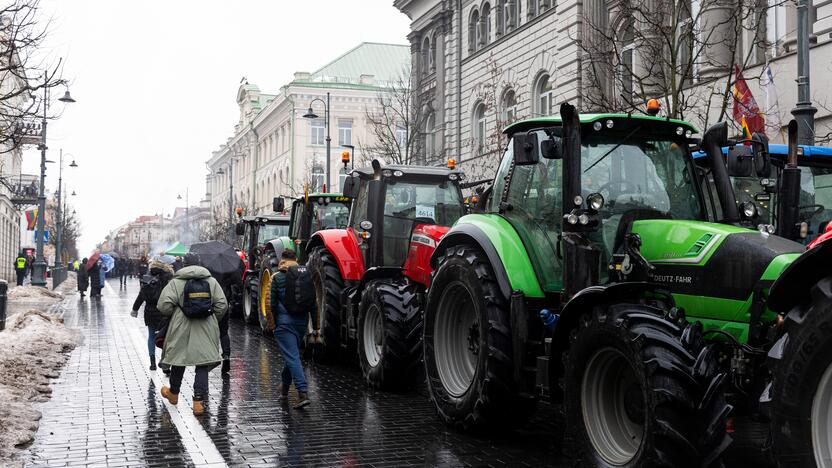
176 249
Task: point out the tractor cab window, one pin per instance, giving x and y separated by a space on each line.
639 179
296 221
815 198
268 232
328 214
407 204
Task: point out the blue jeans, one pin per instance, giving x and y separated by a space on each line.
151 341
289 335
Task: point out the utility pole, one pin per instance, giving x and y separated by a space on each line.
39 265
804 112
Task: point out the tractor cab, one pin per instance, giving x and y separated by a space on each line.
256 231
315 212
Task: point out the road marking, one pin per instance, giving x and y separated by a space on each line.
196 441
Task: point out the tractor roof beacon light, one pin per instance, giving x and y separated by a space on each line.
451 163
239 212
345 158
653 107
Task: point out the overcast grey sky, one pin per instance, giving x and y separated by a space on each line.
156 81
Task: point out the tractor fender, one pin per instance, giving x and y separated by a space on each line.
343 245
277 246
371 274
503 247
589 297
793 285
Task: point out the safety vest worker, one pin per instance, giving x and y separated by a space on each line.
20 268
20 263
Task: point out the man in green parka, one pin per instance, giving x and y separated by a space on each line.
191 341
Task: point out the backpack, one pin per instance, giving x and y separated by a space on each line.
299 297
153 290
197 299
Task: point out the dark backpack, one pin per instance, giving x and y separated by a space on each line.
299 297
153 290
197 299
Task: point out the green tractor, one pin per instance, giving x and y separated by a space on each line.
312 213
592 277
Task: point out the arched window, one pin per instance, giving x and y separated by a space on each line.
430 136
480 128
543 95
432 55
684 41
426 58
486 24
317 181
625 66
509 106
473 30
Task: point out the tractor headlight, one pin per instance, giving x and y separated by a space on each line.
578 200
366 225
583 219
595 201
803 229
680 131
688 133
597 126
453 177
572 218
610 123
387 173
749 209
398 173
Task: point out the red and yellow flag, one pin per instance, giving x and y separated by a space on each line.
746 111
31 219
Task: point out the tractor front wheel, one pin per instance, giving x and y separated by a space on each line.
326 321
390 334
801 387
468 344
265 316
634 396
250 302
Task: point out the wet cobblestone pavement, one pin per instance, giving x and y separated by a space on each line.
106 411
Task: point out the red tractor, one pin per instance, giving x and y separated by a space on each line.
370 278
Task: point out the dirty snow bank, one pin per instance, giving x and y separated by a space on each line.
36 344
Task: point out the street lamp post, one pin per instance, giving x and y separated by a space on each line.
310 114
39 265
60 220
804 111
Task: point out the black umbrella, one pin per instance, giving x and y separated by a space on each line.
218 257
113 254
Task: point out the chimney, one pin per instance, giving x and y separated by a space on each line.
302 76
367 80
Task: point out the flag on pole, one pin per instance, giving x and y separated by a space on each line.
31 219
773 122
745 106
746 131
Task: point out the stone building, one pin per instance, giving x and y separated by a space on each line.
275 151
484 63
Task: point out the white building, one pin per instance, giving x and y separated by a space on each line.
276 151
485 63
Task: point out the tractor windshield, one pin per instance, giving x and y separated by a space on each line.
327 214
268 232
639 178
409 203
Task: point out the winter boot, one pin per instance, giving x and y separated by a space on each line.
199 407
170 396
283 391
226 366
152 362
303 400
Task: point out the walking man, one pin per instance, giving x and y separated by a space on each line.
194 303
20 266
292 298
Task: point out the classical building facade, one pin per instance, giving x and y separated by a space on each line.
275 151
482 64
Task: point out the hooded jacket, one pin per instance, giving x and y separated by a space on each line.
278 287
191 342
163 273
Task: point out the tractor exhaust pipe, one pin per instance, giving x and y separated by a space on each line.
712 142
788 206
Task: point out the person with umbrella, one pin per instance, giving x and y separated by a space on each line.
222 261
83 277
95 271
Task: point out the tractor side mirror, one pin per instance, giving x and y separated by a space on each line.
350 188
278 205
240 228
526 149
740 161
762 161
552 148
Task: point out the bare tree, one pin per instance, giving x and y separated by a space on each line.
684 57
396 125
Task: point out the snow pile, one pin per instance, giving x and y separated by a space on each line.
36 345
32 292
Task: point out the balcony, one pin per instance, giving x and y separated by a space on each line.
28 133
22 189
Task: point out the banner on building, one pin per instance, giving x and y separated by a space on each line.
31 219
745 106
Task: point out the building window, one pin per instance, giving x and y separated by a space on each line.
432 55
543 95
342 176
344 132
318 131
625 67
317 181
473 30
430 136
509 106
479 127
485 36
426 56
684 41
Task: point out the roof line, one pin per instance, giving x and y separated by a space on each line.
353 50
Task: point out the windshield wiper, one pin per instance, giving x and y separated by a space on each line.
613 149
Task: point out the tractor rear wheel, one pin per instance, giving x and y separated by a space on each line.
635 393
390 334
801 387
326 277
265 316
250 301
468 344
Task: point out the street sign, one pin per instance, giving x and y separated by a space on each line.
45 236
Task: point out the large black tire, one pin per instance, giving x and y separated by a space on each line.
801 378
390 334
327 320
641 391
265 316
250 301
468 345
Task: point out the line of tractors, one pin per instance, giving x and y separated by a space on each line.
608 266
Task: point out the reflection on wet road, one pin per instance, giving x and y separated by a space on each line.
106 410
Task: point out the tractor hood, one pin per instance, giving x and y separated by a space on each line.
718 265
